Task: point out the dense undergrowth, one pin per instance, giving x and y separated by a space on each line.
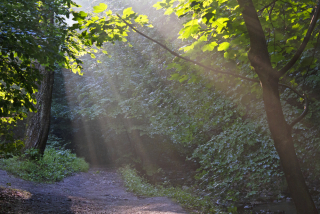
56 164
145 108
187 197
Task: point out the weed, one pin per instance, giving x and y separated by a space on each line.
55 165
186 198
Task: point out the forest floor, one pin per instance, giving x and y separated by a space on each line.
100 190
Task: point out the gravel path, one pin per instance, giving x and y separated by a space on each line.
100 190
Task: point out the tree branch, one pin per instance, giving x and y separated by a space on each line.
222 72
304 43
184 58
292 89
304 113
306 105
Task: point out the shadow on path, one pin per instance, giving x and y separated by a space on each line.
98 191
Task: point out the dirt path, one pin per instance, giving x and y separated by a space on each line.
98 191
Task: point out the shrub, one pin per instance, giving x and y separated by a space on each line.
55 165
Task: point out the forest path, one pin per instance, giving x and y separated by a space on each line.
100 190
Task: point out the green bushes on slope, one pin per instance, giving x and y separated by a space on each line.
186 198
55 165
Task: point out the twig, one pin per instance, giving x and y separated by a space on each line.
304 113
292 89
306 105
268 5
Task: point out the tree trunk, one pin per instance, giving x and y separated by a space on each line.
38 123
279 128
281 134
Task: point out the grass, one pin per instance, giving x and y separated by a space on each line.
56 164
186 198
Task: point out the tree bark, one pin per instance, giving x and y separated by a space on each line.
38 123
281 134
279 128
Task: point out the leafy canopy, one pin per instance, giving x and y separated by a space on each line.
31 32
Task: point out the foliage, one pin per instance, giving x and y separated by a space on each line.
37 36
217 121
11 149
32 33
55 165
187 199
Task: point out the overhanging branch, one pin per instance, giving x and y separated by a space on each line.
304 43
223 72
184 58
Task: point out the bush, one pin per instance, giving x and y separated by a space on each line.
186 198
55 165
9 149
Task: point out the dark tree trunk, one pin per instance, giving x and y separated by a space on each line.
279 128
281 134
38 123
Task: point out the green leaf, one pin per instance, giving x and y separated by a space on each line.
188 31
209 47
158 6
79 16
171 65
289 49
169 11
220 23
277 58
184 78
296 26
100 8
193 79
127 12
174 76
223 46
142 19
174 65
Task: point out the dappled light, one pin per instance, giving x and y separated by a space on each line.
124 106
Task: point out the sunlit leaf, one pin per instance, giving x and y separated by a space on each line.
169 11
128 12
142 19
223 46
100 8
209 47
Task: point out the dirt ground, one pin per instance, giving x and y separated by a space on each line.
100 190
